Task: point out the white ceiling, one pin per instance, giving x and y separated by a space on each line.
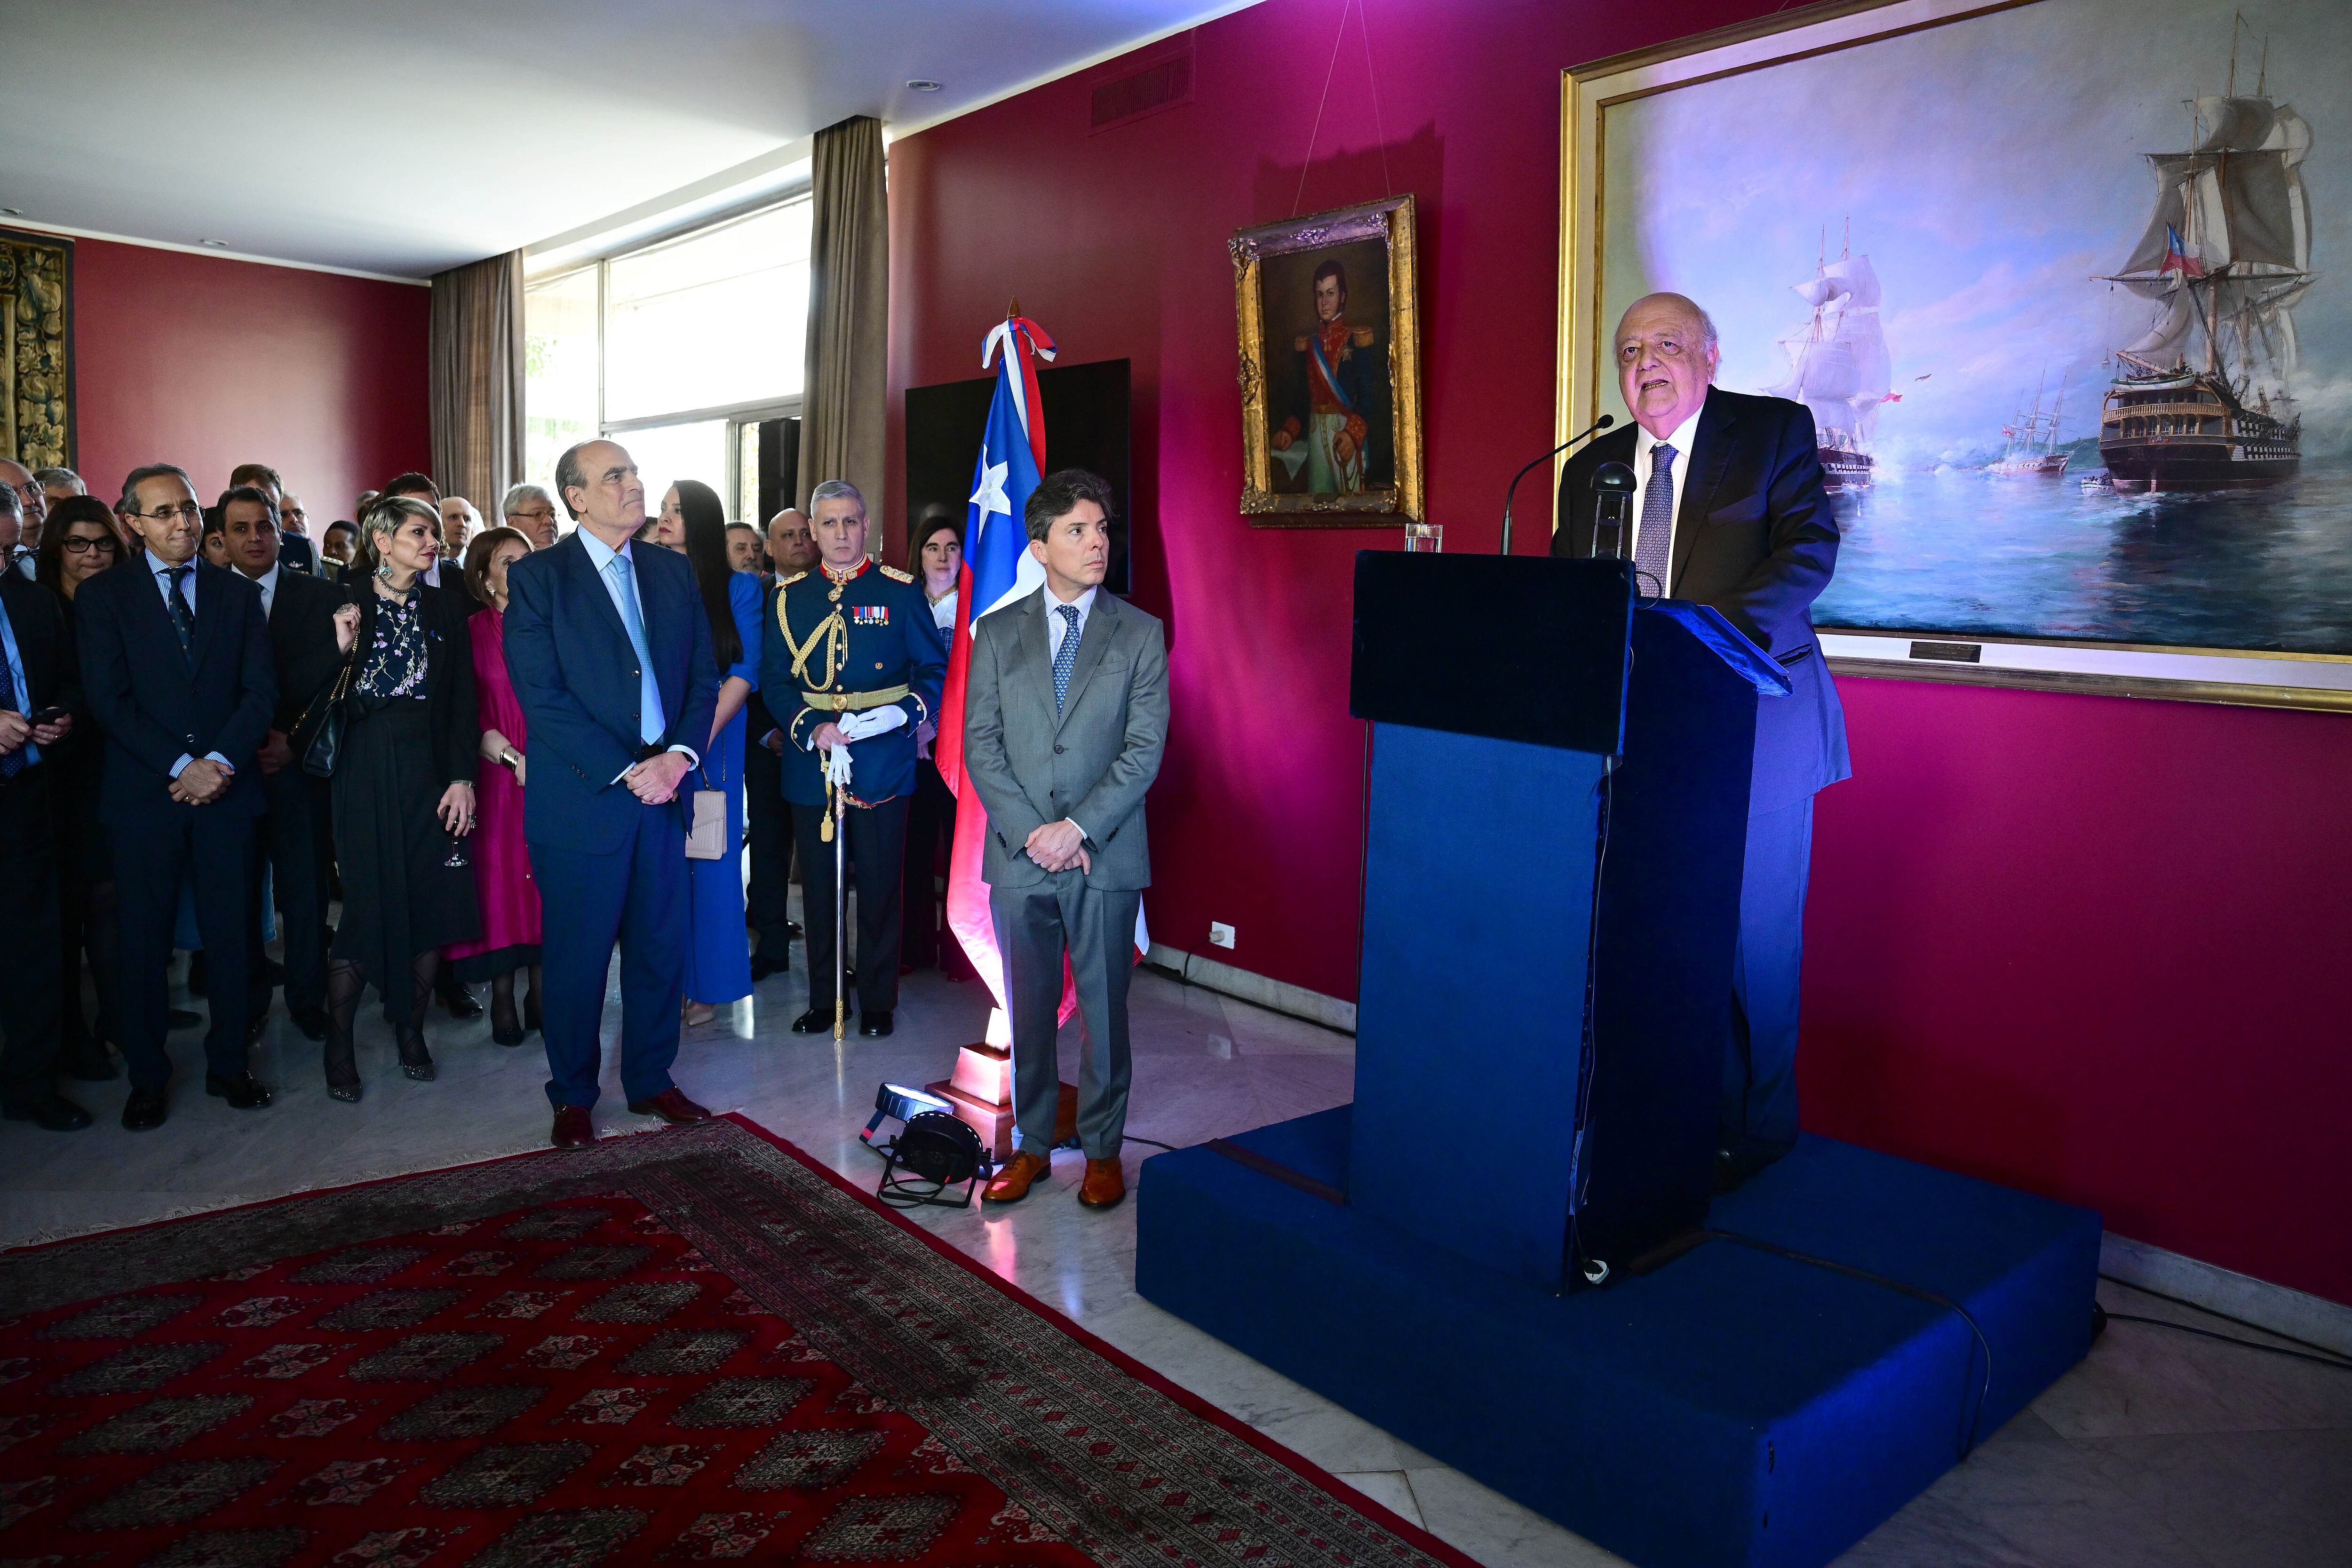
405 136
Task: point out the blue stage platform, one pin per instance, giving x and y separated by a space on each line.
1732 1407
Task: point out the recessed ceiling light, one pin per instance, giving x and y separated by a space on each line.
923 84
215 244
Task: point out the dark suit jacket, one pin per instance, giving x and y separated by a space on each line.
45 642
295 550
576 676
154 706
453 704
302 643
1755 538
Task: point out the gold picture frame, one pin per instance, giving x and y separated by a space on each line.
1277 266
37 370
1605 101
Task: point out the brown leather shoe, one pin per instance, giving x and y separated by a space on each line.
1105 1184
1011 1184
574 1129
670 1105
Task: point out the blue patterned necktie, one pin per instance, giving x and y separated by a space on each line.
1066 658
183 619
1654 548
650 724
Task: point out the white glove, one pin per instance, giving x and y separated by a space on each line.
837 767
870 723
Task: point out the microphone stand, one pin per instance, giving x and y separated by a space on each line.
1602 423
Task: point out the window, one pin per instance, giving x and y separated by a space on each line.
676 350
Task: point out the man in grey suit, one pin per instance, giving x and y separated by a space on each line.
1064 718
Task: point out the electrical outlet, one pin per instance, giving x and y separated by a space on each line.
1220 934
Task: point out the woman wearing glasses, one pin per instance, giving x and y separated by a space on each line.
79 542
404 790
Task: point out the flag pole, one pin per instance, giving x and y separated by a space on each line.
840 909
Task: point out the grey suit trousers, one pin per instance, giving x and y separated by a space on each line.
1035 925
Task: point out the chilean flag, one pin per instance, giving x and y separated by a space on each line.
2176 257
997 570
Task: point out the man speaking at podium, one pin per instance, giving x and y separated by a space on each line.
1728 511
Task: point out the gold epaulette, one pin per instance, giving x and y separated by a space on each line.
788 582
1362 337
898 576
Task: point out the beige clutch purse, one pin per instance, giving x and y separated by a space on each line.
706 839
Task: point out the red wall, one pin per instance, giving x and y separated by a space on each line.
209 363
2084 946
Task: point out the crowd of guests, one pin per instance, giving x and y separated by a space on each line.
362 776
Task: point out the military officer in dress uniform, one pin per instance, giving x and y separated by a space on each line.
858 663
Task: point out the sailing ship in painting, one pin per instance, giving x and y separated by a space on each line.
2204 400
1838 364
2031 452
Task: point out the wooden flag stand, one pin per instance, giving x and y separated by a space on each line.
980 1093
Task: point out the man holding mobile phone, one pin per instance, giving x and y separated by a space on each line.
39 689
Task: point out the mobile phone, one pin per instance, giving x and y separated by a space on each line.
45 716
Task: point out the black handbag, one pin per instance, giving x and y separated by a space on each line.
326 742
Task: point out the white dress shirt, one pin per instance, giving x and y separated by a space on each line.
600 556
1681 440
1056 624
943 609
188 597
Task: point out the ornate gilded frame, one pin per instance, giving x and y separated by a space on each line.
1389 221
37 364
2247 678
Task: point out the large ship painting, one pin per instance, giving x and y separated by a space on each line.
2203 401
1838 365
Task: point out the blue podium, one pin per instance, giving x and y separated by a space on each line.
1557 808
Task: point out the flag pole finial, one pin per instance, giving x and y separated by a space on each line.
1014 308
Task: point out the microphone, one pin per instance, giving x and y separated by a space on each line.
1613 503
1602 423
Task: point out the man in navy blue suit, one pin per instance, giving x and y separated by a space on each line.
176 670
609 649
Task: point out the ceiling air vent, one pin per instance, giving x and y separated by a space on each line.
1146 90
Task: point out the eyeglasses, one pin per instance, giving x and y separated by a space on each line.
186 512
536 514
296 513
75 545
30 489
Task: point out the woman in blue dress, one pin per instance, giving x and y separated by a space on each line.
718 959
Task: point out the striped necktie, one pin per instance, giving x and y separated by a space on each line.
1066 658
1653 549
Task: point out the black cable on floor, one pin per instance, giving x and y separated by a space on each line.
1148 1143
2107 1317
1976 1414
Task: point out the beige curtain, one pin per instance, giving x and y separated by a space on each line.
476 380
844 403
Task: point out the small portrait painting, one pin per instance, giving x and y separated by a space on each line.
1331 379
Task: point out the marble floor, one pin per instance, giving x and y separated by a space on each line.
2160 1449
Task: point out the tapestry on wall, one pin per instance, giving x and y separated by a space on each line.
37 349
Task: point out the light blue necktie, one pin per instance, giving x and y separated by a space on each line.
650 723
1066 658
1654 552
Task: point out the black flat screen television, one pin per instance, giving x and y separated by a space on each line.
1085 428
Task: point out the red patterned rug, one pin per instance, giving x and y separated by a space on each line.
690 1345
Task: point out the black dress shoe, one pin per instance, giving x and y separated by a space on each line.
513 1036
762 966
55 1115
145 1109
181 1019
460 1003
816 1021
312 1022
242 1090
873 1023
